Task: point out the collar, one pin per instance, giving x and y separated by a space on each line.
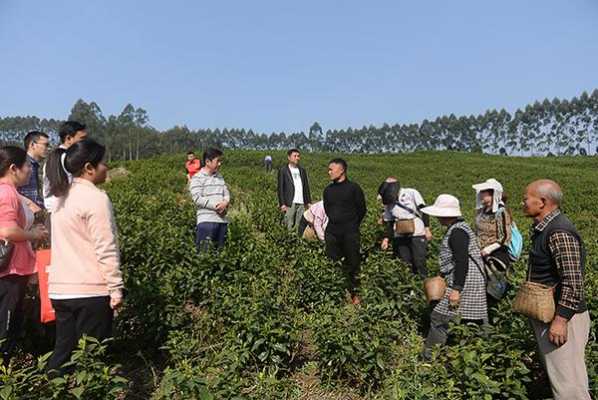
62 146
32 160
540 226
84 182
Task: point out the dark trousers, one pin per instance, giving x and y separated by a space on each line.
438 333
302 225
91 316
413 250
210 232
12 294
346 246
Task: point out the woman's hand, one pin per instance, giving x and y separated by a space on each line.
384 244
428 234
38 232
454 298
116 303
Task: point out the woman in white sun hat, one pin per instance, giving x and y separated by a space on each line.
460 264
493 222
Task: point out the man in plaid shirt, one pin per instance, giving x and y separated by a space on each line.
36 144
557 259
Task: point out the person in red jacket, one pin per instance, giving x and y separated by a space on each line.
192 165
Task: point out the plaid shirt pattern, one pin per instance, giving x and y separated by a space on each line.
32 189
567 253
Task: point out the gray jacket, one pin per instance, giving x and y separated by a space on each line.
207 191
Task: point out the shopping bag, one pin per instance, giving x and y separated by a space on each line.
42 262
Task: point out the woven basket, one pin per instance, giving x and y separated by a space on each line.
434 288
536 301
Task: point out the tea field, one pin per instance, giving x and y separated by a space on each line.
267 318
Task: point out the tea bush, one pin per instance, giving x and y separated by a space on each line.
266 318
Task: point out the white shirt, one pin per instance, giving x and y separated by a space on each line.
50 201
409 198
298 199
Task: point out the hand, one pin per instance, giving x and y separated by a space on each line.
116 303
558 331
38 232
483 253
384 244
284 208
454 298
428 234
221 207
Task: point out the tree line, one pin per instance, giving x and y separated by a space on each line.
550 127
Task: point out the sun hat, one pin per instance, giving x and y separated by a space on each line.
445 205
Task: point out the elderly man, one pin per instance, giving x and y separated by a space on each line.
557 259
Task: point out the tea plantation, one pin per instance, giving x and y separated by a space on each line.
267 317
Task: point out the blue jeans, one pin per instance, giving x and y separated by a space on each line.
207 232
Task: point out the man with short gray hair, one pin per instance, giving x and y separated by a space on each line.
556 259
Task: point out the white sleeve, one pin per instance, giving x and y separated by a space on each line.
417 198
387 216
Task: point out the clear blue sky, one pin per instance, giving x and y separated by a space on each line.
280 65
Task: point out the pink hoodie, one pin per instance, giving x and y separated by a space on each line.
85 255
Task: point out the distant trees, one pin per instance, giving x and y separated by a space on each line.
549 127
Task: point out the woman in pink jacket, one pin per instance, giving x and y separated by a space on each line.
85 281
16 222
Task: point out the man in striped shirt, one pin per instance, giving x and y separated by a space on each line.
212 197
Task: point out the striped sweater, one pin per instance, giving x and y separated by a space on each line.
207 191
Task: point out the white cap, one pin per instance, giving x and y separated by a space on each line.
445 205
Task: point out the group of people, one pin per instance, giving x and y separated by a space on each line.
474 262
60 201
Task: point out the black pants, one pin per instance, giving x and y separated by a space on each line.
346 246
438 333
12 294
303 224
91 316
413 250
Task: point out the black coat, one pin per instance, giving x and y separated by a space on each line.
286 188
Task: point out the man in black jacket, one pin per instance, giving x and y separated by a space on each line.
344 203
293 190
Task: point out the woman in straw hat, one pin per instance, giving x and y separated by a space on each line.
460 265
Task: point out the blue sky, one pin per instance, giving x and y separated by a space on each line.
280 65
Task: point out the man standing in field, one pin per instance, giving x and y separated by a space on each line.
192 165
70 133
557 259
345 207
36 144
293 190
212 197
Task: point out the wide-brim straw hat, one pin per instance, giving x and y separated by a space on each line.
445 205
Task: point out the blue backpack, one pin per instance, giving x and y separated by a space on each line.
516 245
